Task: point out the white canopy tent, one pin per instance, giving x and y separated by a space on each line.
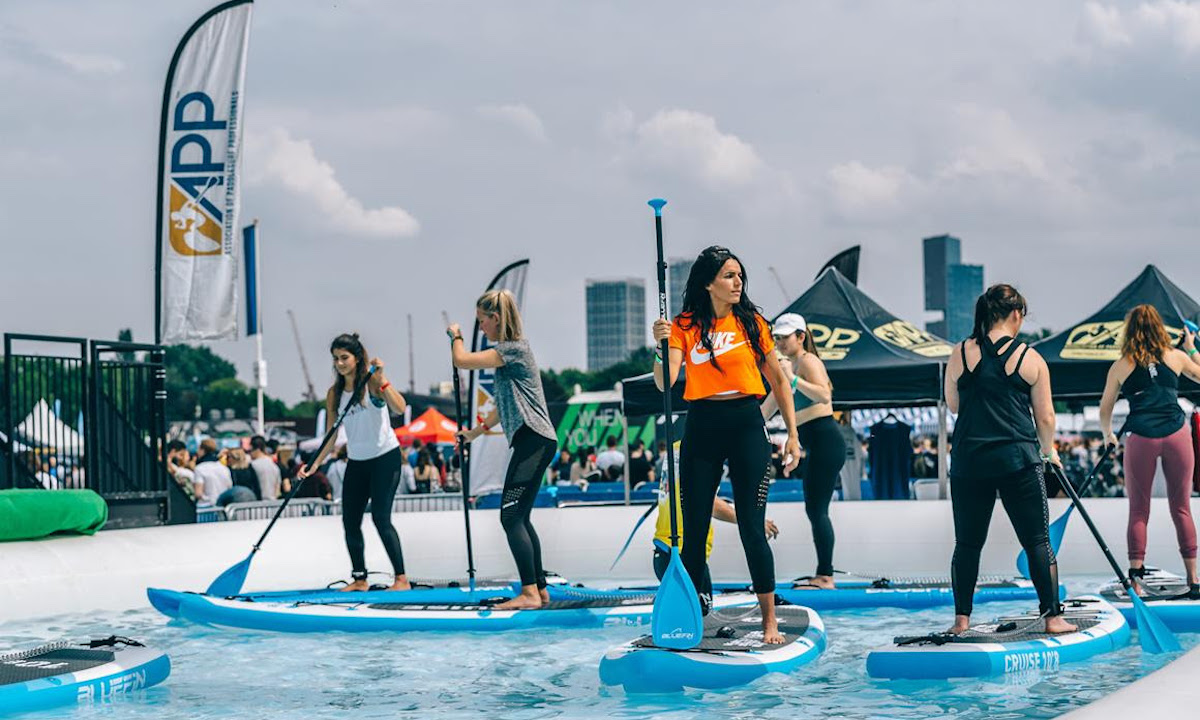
41 428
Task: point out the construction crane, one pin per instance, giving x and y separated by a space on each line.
786 297
311 394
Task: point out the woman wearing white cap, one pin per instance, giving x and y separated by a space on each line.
812 394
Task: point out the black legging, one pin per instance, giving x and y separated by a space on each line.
531 455
717 431
1024 496
826 449
375 480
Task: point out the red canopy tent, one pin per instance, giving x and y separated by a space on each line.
429 427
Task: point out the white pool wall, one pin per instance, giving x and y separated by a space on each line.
110 571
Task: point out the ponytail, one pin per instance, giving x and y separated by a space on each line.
997 303
502 304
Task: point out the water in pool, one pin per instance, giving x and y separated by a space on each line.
551 674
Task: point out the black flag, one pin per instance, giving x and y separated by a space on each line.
846 262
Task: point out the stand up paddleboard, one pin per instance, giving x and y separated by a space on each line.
68 673
1167 594
731 653
911 593
1004 646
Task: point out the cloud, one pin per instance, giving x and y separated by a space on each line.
858 190
275 157
519 116
90 64
989 143
688 143
1104 26
1169 23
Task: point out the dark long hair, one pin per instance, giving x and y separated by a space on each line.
809 344
994 305
351 344
697 303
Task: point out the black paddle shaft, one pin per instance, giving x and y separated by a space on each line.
664 350
355 396
1091 526
1108 449
464 465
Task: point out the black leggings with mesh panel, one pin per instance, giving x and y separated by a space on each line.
716 432
531 455
1023 494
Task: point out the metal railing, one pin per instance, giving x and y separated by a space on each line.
315 507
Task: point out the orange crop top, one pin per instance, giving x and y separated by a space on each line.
739 371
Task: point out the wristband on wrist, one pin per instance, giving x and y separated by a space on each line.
1192 351
485 426
795 381
385 386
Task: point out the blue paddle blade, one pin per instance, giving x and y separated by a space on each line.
657 204
630 538
1057 530
676 622
230 582
1153 634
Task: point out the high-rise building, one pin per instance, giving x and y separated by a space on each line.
678 270
950 287
941 252
964 285
616 320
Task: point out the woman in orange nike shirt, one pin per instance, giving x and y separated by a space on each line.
727 347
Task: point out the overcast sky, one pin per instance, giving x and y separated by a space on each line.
399 153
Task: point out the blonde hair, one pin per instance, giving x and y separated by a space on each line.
1146 340
237 459
502 304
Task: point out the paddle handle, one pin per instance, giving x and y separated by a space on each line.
665 351
464 463
1070 490
355 396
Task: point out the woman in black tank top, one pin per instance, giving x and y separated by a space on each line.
1147 374
1000 389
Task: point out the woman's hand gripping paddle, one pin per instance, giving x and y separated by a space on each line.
1153 635
1058 528
677 621
231 581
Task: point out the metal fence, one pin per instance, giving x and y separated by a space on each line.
88 414
313 507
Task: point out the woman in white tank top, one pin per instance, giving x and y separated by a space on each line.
373 470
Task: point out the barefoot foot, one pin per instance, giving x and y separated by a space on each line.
1056 625
356 586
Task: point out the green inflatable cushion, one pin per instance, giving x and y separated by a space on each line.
31 514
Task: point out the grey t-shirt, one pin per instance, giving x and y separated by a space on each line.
519 396
269 477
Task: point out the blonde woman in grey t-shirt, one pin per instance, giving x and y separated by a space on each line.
521 412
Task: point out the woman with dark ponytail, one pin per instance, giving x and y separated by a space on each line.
812 398
1148 375
1000 388
375 464
728 349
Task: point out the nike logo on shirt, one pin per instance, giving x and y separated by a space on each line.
720 347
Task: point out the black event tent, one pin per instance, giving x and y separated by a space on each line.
874 359
1079 357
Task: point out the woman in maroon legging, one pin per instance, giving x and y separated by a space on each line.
1148 376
